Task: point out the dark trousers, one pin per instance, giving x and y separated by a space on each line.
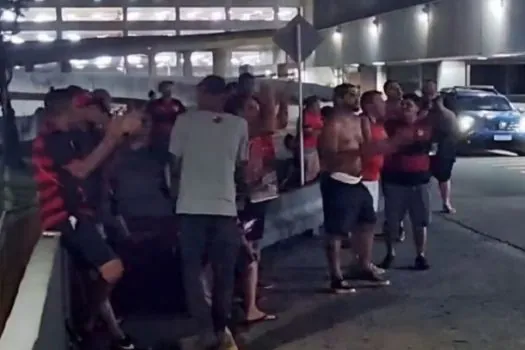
216 239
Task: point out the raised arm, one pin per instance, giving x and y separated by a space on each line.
117 128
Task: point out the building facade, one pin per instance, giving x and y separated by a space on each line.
74 20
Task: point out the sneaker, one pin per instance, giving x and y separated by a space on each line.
369 275
127 344
340 286
354 266
421 263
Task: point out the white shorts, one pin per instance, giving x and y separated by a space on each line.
373 188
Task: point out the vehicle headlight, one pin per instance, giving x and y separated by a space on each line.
521 125
465 123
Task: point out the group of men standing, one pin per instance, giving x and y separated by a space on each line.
368 143
216 151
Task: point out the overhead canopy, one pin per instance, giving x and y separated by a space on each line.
33 52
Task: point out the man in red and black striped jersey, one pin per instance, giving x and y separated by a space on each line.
164 111
62 174
406 176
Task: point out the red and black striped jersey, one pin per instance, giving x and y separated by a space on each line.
60 194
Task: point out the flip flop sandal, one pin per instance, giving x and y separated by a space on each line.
264 318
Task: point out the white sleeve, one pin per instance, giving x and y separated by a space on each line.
177 137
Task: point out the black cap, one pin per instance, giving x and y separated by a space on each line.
213 85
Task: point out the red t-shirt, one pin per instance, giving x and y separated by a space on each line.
372 166
315 122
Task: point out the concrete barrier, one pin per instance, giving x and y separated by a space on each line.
37 319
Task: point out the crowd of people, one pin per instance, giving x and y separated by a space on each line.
207 174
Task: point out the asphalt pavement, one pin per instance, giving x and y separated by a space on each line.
471 298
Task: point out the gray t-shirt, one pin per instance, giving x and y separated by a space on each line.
210 145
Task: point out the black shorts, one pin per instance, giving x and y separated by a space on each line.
441 168
345 206
86 245
257 212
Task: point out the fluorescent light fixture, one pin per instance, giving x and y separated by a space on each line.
73 37
354 65
216 16
134 59
133 16
17 40
43 18
45 38
378 64
481 58
102 61
8 16
80 64
503 55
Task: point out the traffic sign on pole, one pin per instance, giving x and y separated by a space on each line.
287 38
299 39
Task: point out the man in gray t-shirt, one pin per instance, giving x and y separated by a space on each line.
209 150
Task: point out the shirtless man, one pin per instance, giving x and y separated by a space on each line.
347 204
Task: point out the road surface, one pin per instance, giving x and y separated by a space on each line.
470 299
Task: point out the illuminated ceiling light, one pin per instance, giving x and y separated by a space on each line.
133 16
424 15
8 16
375 27
354 65
80 64
134 59
45 38
43 18
216 16
337 36
98 16
192 15
73 37
102 62
481 58
17 40
378 64
497 7
267 72
162 16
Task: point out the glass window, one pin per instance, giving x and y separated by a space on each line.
202 59
42 36
252 14
259 58
163 59
151 32
76 35
95 14
151 14
199 32
39 15
202 13
286 13
482 102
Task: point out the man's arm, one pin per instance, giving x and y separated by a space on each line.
116 129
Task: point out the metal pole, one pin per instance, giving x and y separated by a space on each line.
300 97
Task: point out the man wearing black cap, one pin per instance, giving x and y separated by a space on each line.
209 148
